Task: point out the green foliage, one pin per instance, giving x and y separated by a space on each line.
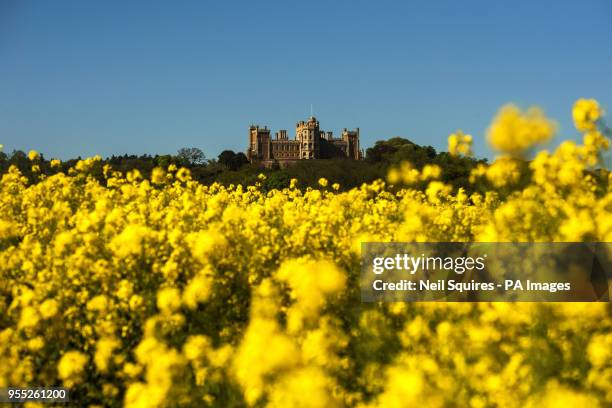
277 181
397 149
455 169
232 160
191 156
233 168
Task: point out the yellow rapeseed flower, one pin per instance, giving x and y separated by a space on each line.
168 300
33 155
514 132
192 294
460 144
48 308
71 367
586 113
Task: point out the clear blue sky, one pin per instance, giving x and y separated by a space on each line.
113 77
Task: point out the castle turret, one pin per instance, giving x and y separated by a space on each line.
281 135
259 143
308 134
351 137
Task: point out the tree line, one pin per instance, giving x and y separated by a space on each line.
231 167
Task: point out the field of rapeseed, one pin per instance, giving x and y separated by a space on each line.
165 292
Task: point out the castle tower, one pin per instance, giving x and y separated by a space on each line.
309 135
351 137
259 143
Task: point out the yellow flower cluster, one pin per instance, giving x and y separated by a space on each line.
165 292
460 144
514 132
504 171
586 113
406 174
33 155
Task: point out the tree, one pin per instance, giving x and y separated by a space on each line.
232 160
191 156
226 157
383 149
397 149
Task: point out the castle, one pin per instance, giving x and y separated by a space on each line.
310 143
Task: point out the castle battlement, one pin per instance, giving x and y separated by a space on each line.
310 143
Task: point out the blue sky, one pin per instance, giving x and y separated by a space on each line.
114 77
